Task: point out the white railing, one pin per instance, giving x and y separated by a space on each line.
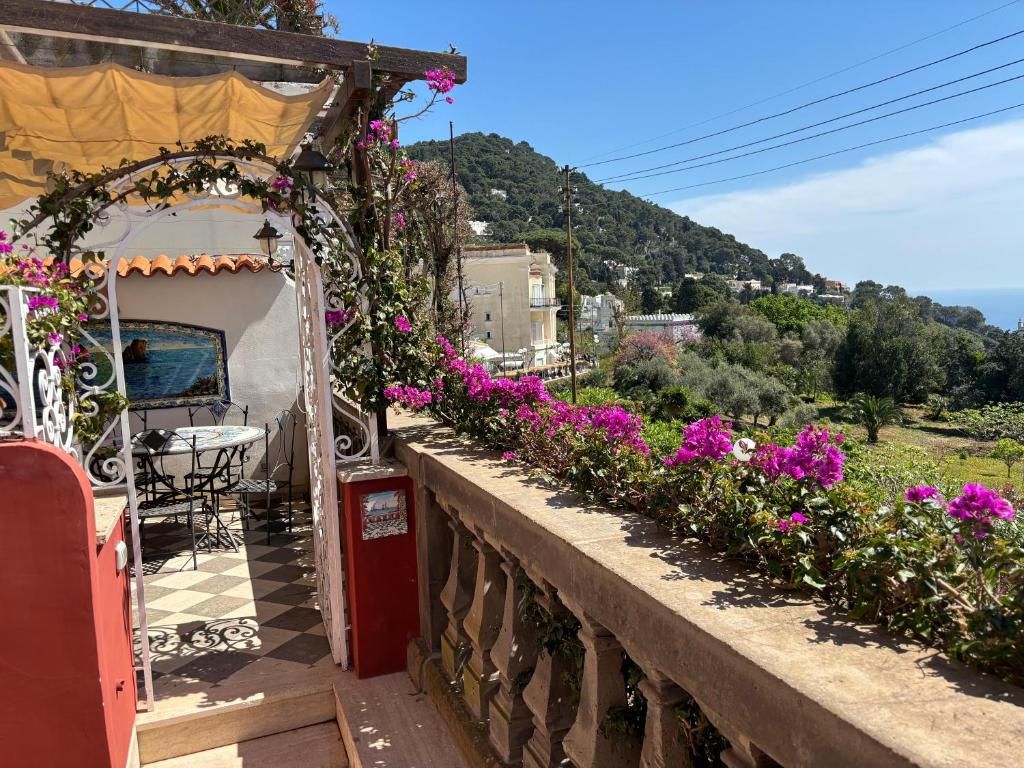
35 402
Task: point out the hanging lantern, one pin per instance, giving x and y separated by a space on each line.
312 163
268 237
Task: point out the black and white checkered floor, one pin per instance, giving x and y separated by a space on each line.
210 624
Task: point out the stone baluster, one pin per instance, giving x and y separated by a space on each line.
587 744
514 654
456 597
742 752
482 625
549 697
433 556
665 743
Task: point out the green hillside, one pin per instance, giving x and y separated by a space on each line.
518 192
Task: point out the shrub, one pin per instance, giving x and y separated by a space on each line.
936 407
645 345
800 413
992 422
595 377
642 378
806 509
679 403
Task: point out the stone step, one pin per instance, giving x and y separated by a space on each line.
248 718
314 746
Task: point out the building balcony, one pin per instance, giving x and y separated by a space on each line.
779 678
537 302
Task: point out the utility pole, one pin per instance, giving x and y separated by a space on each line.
501 310
572 292
458 241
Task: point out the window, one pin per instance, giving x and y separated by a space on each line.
537 330
487 317
488 334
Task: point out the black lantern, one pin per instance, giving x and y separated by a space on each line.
311 162
268 237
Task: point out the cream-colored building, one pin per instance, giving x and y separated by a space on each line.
511 295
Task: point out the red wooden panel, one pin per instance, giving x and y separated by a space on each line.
382 578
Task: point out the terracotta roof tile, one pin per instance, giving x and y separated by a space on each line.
190 265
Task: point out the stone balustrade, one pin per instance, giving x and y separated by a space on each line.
785 680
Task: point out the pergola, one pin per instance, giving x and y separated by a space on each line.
39 34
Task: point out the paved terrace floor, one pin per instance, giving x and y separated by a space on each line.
246 626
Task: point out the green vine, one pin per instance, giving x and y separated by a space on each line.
558 636
704 742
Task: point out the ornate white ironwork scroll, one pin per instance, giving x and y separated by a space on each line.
35 400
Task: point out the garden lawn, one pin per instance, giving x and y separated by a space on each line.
943 443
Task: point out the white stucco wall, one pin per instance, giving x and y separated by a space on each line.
257 313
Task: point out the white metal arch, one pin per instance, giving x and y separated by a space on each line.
322 397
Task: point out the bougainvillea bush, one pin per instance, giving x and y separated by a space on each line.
945 572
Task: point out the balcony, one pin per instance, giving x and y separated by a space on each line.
780 679
539 302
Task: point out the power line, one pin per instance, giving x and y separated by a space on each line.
634 176
837 152
809 82
807 104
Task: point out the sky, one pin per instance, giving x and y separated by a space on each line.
585 82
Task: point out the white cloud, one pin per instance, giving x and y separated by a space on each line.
949 214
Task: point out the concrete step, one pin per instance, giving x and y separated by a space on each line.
314 746
163 737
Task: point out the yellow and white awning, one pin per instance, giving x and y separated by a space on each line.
86 118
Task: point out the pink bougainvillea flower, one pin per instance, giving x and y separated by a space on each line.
41 303
813 458
707 439
510 456
83 317
795 520
54 338
922 492
335 317
281 184
979 507
441 81
403 324
411 397
399 220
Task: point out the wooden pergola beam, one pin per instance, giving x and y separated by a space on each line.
354 90
146 30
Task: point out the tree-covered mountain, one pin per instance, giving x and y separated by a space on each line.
518 192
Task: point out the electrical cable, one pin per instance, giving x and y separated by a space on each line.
807 104
837 152
622 176
631 177
809 82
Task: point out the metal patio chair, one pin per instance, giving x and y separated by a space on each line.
278 473
219 413
171 501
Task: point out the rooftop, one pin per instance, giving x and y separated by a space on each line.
190 265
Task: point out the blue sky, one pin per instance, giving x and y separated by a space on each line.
577 80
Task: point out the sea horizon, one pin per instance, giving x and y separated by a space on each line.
1002 307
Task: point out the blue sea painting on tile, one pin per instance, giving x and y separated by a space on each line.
167 365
